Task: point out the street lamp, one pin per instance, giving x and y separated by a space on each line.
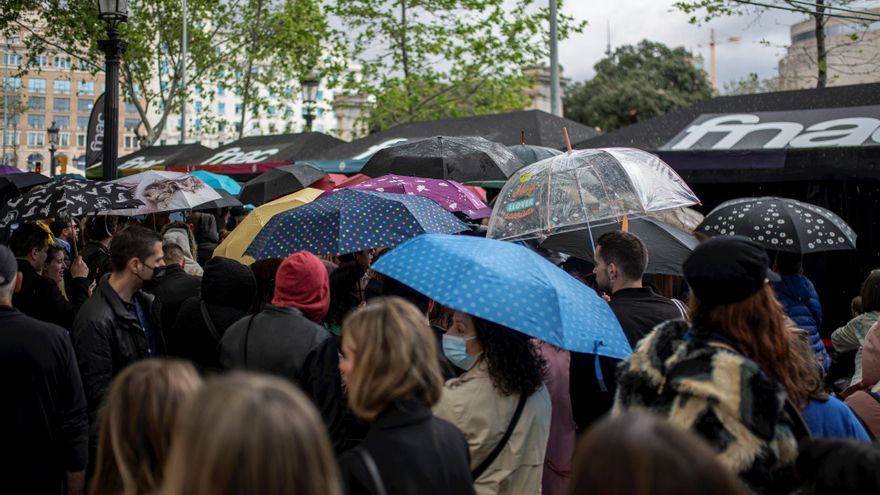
310 98
52 131
112 12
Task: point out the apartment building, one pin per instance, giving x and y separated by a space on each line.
52 87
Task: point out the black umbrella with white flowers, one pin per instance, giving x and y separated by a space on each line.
66 196
781 224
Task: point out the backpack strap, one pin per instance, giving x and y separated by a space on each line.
372 470
476 473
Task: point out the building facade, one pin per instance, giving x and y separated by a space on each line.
55 88
853 54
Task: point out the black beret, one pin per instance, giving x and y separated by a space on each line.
727 269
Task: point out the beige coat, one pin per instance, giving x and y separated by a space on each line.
471 403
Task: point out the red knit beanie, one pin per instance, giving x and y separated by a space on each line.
302 283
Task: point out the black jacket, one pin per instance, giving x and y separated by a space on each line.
97 257
414 452
205 232
41 298
43 420
283 342
107 338
638 311
174 288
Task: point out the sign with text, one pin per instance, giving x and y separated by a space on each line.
95 133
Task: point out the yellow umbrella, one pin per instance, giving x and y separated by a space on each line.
239 239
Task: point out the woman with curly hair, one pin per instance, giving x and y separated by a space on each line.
500 404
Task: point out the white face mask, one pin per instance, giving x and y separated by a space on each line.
455 350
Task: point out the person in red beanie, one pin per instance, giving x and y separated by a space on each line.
284 339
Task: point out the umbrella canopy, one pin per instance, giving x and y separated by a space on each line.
219 181
509 285
226 201
530 154
73 197
668 246
350 221
781 224
244 233
584 188
18 182
165 191
442 157
278 182
9 169
451 195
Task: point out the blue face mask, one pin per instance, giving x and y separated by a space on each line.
455 349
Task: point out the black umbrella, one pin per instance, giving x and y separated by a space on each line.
13 184
454 158
226 201
668 246
781 224
529 154
279 182
72 197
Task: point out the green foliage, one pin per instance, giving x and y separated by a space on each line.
428 59
752 85
636 83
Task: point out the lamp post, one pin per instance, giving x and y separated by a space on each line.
310 98
52 131
112 12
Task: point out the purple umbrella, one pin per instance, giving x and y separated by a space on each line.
9 169
451 195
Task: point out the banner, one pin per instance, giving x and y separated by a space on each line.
95 134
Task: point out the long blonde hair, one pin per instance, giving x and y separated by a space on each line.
250 434
137 424
396 356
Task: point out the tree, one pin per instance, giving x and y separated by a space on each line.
430 59
636 83
752 85
821 11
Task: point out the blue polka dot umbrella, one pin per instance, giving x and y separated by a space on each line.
350 221
510 285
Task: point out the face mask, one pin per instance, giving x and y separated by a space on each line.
158 273
455 349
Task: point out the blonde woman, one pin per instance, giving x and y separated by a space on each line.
250 434
137 424
390 366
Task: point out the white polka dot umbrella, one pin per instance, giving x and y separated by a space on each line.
781 224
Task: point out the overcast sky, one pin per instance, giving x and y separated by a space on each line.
656 20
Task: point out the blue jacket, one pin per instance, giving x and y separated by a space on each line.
833 419
801 302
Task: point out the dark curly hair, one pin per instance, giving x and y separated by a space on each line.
515 367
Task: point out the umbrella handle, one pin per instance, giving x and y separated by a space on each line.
567 140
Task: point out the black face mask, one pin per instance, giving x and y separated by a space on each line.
158 275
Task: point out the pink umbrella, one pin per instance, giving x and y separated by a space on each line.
452 196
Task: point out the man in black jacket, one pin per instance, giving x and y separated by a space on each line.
285 339
40 297
175 286
43 420
119 324
621 259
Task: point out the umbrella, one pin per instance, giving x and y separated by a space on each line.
218 181
243 235
350 221
226 201
15 183
9 169
73 197
781 224
451 195
278 182
668 246
442 157
585 188
162 191
509 285
530 154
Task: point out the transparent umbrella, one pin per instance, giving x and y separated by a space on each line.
585 188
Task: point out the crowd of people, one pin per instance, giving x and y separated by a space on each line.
134 362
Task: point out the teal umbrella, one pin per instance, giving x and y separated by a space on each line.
219 181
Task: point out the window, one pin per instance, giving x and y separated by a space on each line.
36 122
221 108
85 105
61 62
12 120
163 142
35 138
61 104
38 60
82 64
61 87
129 142
271 110
221 90
37 103
63 139
238 109
198 106
62 121
179 124
198 125
36 85
319 95
12 59
80 140
131 108
131 123
12 83
11 138
221 126
86 88
82 122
